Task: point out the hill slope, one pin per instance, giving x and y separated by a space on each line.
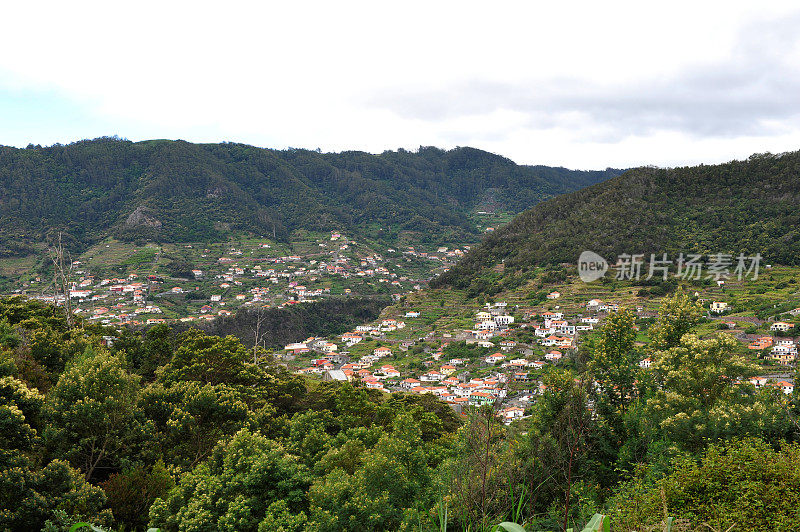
743 206
178 191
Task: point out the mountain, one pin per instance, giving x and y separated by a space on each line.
178 191
749 207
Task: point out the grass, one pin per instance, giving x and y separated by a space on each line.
140 257
14 266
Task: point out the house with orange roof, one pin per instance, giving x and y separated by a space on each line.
351 338
482 335
553 356
409 383
466 389
447 369
431 376
481 399
507 345
451 381
781 326
386 372
762 342
382 352
373 384
511 413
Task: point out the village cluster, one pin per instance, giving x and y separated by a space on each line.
460 382
224 280
508 375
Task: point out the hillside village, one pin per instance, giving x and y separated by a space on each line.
509 346
224 278
495 353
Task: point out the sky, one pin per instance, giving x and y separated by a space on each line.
576 84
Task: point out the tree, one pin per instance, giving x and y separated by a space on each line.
20 408
704 394
145 353
211 360
676 317
30 496
190 418
479 483
394 478
554 451
618 386
739 484
90 412
53 348
236 489
132 492
614 364
63 271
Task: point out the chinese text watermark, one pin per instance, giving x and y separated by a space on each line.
690 267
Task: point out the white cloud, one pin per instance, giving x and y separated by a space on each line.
583 84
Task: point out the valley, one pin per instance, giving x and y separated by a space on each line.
335 373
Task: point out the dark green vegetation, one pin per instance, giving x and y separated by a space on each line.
174 191
193 432
197 432
276 327
740 207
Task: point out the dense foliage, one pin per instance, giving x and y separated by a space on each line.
276 327
739 207
174 191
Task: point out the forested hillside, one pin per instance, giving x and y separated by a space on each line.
746 207
175 191
275 327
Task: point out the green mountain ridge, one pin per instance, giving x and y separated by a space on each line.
178 191
745 207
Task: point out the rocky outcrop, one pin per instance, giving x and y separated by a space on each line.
142 216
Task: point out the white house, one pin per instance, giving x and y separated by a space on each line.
718 307
495 358
431 376
553 356
382 352
504 320
483 335
511 413
407 384
544 332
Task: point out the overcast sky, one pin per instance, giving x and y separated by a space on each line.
576 84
